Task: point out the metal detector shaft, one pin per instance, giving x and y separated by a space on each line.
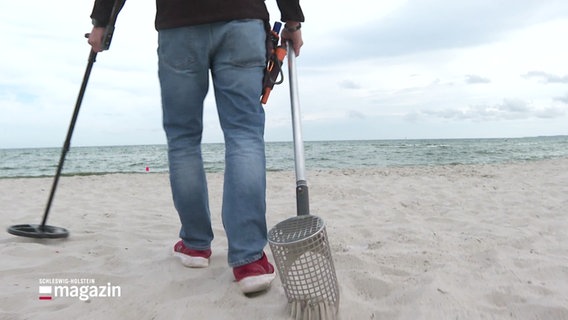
67 143
302 194
106 40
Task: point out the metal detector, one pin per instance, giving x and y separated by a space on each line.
44 231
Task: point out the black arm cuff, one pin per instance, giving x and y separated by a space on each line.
290 10
100 15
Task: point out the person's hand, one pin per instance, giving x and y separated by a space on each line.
96 38
294 36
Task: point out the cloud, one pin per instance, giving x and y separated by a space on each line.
475 79
509 109
546 77
356 115
513 106
422 26
563 99
551 112
349 84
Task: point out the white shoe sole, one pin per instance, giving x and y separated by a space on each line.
256 283
192 262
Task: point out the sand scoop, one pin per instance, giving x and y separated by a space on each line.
300 244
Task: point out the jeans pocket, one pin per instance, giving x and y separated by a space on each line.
246 43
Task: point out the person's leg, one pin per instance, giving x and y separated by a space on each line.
184 79
238 65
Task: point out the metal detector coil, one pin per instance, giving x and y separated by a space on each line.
38 231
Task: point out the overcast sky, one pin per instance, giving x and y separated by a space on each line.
368 70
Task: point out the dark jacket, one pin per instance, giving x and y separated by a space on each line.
180 13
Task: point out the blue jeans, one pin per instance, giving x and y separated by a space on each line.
235 54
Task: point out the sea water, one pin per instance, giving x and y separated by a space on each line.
329 155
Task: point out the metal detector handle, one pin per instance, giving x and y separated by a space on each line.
109 29
107 37
302 194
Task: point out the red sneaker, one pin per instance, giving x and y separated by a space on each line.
255 276
192 258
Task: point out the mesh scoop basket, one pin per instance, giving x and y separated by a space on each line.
303 258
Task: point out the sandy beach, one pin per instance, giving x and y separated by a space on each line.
444 242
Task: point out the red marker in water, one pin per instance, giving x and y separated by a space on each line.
147 169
